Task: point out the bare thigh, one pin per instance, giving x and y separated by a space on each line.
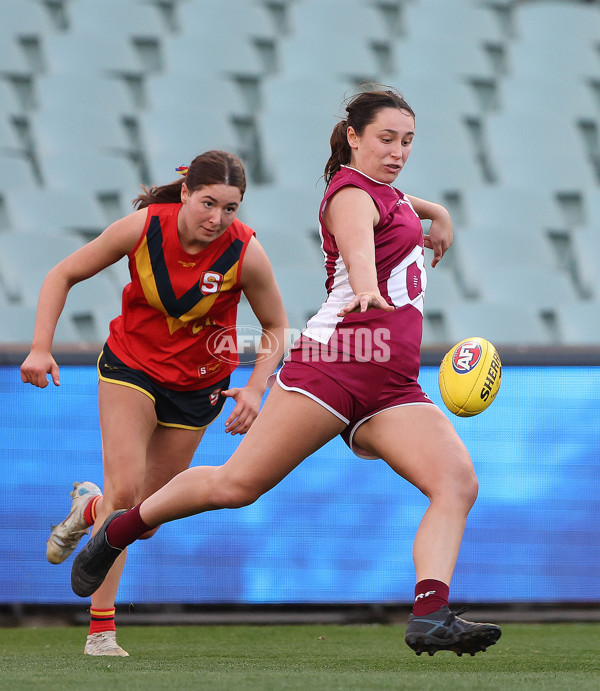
421 445
289 428
140 456
127 421
170 451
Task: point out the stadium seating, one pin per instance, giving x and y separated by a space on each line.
25 259
510 206
442 289
541 288
251 19
502 323
113 181
572 97
523 147
481 251
14 64
10 144
172 137
97 98
103 55
277 206
53 211
309 49
108 96
16 327
587 262
121 20
540 22
57 130
30 20
16 172
578 323
9 101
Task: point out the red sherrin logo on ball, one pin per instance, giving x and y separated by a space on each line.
466 356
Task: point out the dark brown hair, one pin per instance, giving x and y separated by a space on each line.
209 168
362 110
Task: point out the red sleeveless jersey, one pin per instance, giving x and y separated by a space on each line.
179 308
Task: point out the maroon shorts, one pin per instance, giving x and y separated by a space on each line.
353 391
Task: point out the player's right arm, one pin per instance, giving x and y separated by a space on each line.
115 242
350 216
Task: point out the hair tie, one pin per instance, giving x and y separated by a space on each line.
182 170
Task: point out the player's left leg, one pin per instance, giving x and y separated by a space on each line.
421 445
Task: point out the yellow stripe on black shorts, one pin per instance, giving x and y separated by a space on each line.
185 409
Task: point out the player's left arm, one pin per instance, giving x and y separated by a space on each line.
261 290
440 234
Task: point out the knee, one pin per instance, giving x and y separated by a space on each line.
119 498
458 486
467 488
233 493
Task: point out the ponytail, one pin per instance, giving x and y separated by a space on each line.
340 150
163 194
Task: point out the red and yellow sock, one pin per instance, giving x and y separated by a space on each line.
102 620
89 513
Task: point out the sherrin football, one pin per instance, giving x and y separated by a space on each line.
470 376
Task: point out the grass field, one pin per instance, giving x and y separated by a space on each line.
311 658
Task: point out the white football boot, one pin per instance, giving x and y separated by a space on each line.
66 535
104 643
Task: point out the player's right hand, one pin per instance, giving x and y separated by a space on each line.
362 302
36 368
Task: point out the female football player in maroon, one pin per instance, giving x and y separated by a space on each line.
161 382
353 373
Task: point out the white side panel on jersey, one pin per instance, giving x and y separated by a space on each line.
407 282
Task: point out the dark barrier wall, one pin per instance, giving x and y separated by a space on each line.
338 529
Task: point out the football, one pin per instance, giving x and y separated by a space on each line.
470 376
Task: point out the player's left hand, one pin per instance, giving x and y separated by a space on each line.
247 405
439 238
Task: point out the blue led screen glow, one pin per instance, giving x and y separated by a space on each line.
338 529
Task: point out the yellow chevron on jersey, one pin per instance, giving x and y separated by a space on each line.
177 301
155 280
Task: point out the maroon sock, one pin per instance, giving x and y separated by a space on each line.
126 528
430 595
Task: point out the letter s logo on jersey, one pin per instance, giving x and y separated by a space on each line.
210 282
466 357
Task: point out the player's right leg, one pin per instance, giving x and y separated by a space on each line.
290 427
65 536
127 420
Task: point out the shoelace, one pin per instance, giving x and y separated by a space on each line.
452 615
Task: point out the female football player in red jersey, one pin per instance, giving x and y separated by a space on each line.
353 373
160 382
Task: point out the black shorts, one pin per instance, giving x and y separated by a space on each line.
186 409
